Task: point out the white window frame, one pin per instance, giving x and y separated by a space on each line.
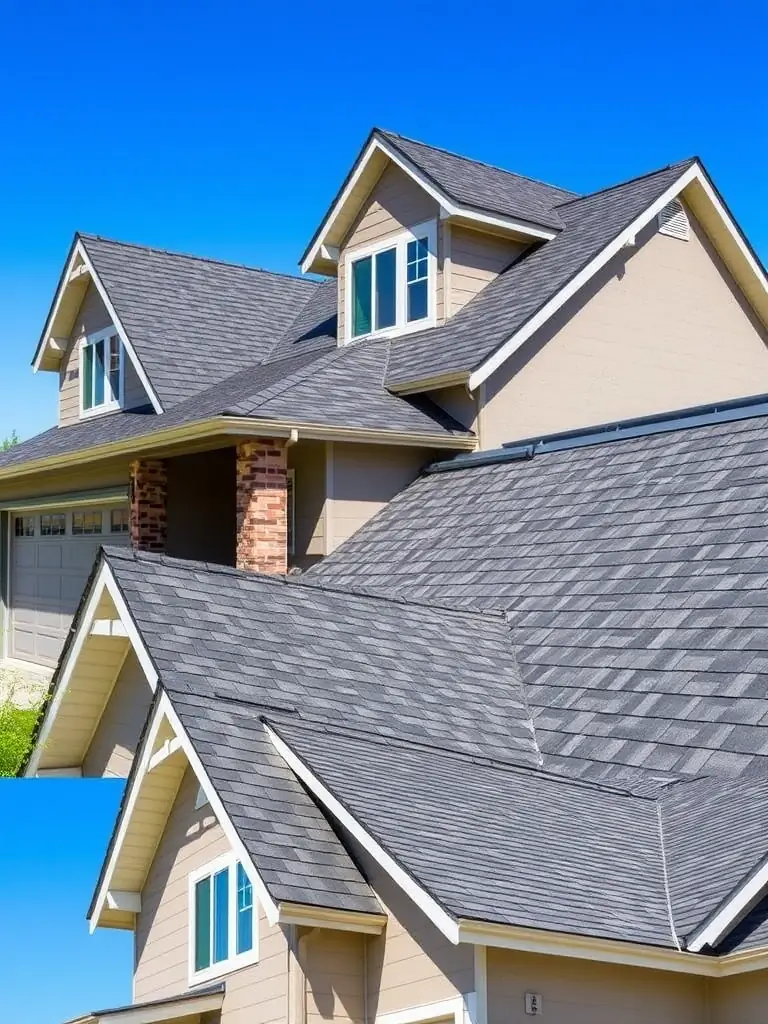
399 242
106 406
236 961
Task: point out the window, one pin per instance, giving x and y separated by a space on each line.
223 919
392 288
101 372
84 523
119 520
53 524
24 526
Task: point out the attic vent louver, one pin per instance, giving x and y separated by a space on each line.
673 221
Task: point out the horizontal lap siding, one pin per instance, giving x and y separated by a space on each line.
333 963
577 991
114 743
662 327
307 459
476 259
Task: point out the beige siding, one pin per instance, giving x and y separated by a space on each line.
334 971
662 327
741 999
256 994
114 743
307 459
363 478
583 992
92 316
396 202
459 403
476 259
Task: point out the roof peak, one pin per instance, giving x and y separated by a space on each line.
681 164
480 163
86 236
728 411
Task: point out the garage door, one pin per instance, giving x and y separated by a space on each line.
52 553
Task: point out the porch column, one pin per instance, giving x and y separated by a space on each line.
148 516
262 500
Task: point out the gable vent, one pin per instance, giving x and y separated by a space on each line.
673 220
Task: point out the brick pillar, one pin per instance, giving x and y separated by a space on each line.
149 490
262 491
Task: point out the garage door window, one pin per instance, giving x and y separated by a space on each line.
53 525
24 526
84 523
119 521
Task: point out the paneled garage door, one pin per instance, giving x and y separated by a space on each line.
52 553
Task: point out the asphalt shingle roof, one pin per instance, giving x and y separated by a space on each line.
510 300
633 575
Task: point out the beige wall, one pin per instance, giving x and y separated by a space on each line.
584 992
662 327
114 743
334 976
363 478
740 999
92 316
457 402
254 995
307 459
476 259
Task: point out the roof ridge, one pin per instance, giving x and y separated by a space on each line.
481 163
85 236
461 755
129 554
629 181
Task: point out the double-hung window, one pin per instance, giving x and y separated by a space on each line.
101 372
391 288
223 920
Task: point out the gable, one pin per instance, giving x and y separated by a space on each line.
662 326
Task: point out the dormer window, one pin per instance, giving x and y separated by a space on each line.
101 372
391 287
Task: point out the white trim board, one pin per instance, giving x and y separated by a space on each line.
184 1006
729 913
441 919
695 173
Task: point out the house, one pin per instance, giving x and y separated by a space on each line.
251 419
502 754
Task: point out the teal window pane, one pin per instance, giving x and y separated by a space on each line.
244 911
98 373
221 916
418 301
386 271
203 924
114 369
362 275
87 381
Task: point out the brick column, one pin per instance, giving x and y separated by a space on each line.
262 492
149 490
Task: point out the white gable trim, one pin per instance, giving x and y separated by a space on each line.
105 581
79 250
437 915
164 712
731 912
448 207
694 173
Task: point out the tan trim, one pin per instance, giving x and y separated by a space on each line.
533 940
187 1005
106 496
445 380
228 426
324 917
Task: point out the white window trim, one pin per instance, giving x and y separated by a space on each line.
400 243
238 960
92 339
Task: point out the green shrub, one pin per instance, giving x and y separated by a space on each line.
19 710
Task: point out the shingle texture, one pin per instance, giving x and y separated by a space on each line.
508 302
633 575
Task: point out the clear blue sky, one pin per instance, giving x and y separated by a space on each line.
224 129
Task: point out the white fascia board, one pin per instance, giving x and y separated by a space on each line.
731 912
170 1010
127 346
448 208
109 627
733 230
513 343
164 712
121 900
445 1009
63 283
130 627
436 914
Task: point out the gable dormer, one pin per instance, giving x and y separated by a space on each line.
84 343
416 232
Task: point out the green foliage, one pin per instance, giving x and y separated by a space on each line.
16 727
9 442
